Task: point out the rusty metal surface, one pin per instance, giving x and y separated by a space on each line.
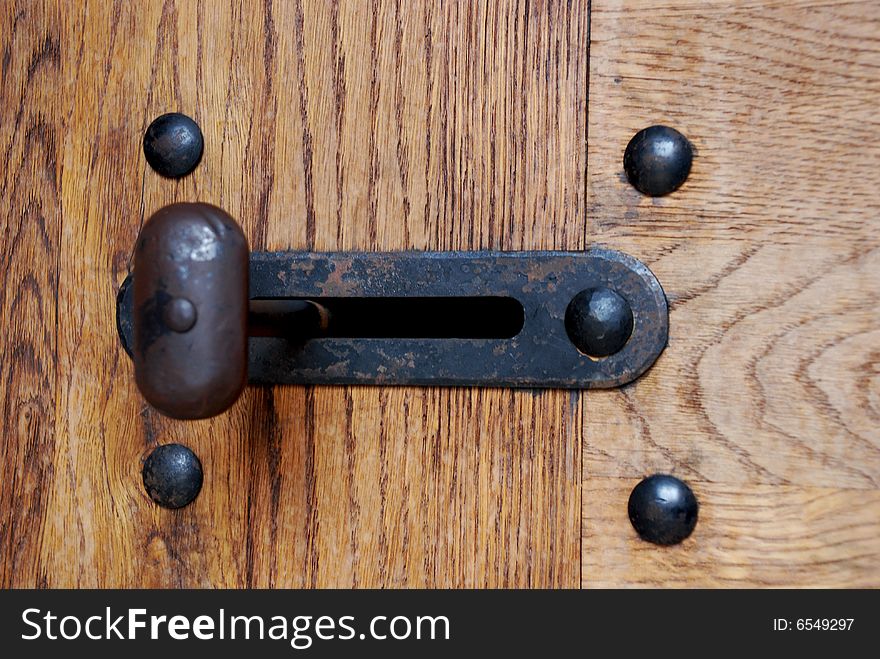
189 311
540 355
294 338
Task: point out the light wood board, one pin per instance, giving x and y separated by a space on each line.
767 399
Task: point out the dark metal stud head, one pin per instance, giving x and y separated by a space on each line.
663 509
179 315
124 308
658 160
599 322
173 145
172 475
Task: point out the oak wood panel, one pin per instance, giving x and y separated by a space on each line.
328 126
446 126
777 536
768 396
30 225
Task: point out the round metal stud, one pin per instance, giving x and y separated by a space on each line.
173 144
179 315
172 475
663 509
658 160
599 322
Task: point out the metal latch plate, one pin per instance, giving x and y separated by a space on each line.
539 355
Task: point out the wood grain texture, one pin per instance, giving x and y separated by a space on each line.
30 225
768 396
356 125
454 125
775 536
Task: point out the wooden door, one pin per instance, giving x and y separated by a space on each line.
456 126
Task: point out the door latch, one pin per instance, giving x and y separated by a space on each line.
201 316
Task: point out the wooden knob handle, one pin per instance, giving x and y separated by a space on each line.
191 310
